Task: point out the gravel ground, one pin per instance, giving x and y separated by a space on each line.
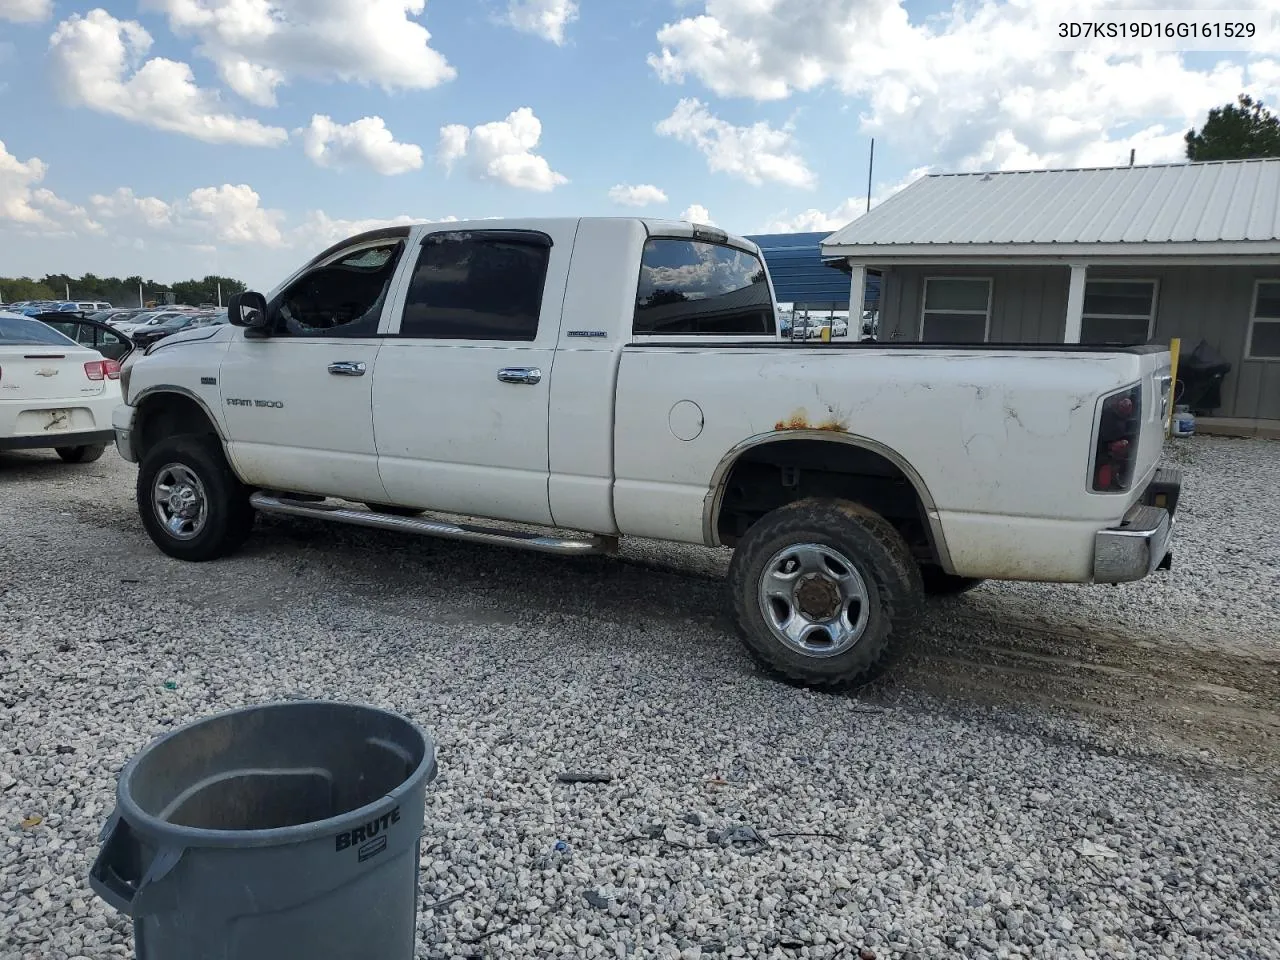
1056 772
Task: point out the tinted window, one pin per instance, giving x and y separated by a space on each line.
15 331
477 286
691 286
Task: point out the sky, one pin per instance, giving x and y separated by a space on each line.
179 138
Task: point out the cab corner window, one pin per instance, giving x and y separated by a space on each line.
477 285
696 287
343 298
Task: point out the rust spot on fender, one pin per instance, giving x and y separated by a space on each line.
800 421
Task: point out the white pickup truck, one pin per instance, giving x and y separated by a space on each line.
571 381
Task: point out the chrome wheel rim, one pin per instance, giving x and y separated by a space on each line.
179 500
814 600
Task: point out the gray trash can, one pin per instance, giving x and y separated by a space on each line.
289 830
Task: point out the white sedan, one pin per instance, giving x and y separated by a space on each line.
54 393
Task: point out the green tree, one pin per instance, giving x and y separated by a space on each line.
13 289
1245 130
196 292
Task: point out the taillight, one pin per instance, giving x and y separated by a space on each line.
1119 429
102 369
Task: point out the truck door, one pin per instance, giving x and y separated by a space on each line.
299 403
460 399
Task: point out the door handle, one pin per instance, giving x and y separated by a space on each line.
520 375
347 368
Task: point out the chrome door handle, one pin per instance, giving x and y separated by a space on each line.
520 375
347 368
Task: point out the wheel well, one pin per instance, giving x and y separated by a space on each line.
166 415
782 471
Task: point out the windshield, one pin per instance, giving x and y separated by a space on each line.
19 331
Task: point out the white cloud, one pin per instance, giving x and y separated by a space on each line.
814 220
542 18
755 154
255 83
364 142
977 86
502 151
319 229
360 41
231 214
697 213
32 208
26 11
640 195
92 57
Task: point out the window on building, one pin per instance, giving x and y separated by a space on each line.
478 285
1118 312
1264 325
956 310
696 287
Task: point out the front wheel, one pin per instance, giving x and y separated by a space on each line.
82 454
191 503
823 593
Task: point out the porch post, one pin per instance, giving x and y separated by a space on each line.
1075 303
857 293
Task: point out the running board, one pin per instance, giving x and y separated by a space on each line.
540 543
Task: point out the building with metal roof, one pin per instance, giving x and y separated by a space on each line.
1106 255
800 276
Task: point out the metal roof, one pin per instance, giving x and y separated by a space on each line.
799 274
1220 207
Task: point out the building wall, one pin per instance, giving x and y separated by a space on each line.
1029 305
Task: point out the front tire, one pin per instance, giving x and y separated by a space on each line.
83 454
823 593
191 503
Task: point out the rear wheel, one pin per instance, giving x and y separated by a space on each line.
191 503
824 592
84 454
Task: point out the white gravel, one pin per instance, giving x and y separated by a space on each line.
900 823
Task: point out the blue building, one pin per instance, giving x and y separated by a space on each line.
800 277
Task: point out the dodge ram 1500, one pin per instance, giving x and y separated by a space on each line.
571 381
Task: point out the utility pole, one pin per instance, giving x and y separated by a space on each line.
68 288
871 163
219 293
1132 154
140 303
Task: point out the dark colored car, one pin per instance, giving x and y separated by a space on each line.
145 336
109 342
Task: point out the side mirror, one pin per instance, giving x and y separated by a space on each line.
248 310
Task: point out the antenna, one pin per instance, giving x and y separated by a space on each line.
871 163
1131 156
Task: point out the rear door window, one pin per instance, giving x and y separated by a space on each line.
698 287
478 285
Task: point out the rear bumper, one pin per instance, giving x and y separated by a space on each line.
83 438
1140 545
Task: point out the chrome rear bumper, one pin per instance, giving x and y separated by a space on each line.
1140 544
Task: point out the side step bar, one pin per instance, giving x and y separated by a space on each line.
537 542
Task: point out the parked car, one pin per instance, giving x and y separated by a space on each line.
622 377
150 333
150 318
54 392
87 332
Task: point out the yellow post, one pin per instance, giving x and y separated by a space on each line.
1175 348
826 334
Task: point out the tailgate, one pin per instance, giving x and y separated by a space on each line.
47 373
